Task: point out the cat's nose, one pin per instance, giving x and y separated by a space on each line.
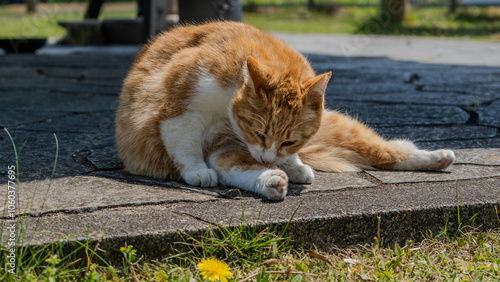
267 163
267 158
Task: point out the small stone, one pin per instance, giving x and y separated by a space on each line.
411 77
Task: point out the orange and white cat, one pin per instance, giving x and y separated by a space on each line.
227 104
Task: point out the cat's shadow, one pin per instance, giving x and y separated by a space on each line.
219 192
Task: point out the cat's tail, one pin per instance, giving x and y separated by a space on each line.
343 144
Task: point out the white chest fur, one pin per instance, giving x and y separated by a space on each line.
205 118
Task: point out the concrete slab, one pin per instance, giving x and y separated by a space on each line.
111 223
484 156
438 133
454 173
105 158
490 115
87 193
15 118
401 114
410 96
98 121
461 144
38 154
46 101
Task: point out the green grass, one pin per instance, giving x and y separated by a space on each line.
471 22
15 23
299 20
469 256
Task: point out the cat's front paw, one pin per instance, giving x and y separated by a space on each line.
303 174
273 184
204 177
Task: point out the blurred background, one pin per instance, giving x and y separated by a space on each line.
476 19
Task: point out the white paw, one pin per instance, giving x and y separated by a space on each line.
204 177
427 160
273 184
303 174
441 159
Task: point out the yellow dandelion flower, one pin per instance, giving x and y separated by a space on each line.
214 270
122 249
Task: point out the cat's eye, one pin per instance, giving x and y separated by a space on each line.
262 137
287 143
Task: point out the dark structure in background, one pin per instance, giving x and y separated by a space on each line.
152 17
196 11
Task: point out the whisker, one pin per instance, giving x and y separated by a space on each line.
307 120
261 119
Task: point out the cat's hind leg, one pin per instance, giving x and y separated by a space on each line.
239 169
346 144
392 155
422 159
404 155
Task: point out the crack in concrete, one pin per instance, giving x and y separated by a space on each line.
344 99
473 116
81 159
196 218
95 209
423 89
370 178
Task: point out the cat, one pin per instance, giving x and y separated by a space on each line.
225 103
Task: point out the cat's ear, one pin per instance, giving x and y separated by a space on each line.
254 73
316 90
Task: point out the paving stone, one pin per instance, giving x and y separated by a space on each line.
141 222
437 133
482 156
489 115
62 85
86 193
489 90
49 101
460 144
105 158
459 75
339 64
101 61
62 73
409 97
346 76
11 118
36 159
85 122
400 114
455 172
346 89
87 74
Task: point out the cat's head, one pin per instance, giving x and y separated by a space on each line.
276 115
